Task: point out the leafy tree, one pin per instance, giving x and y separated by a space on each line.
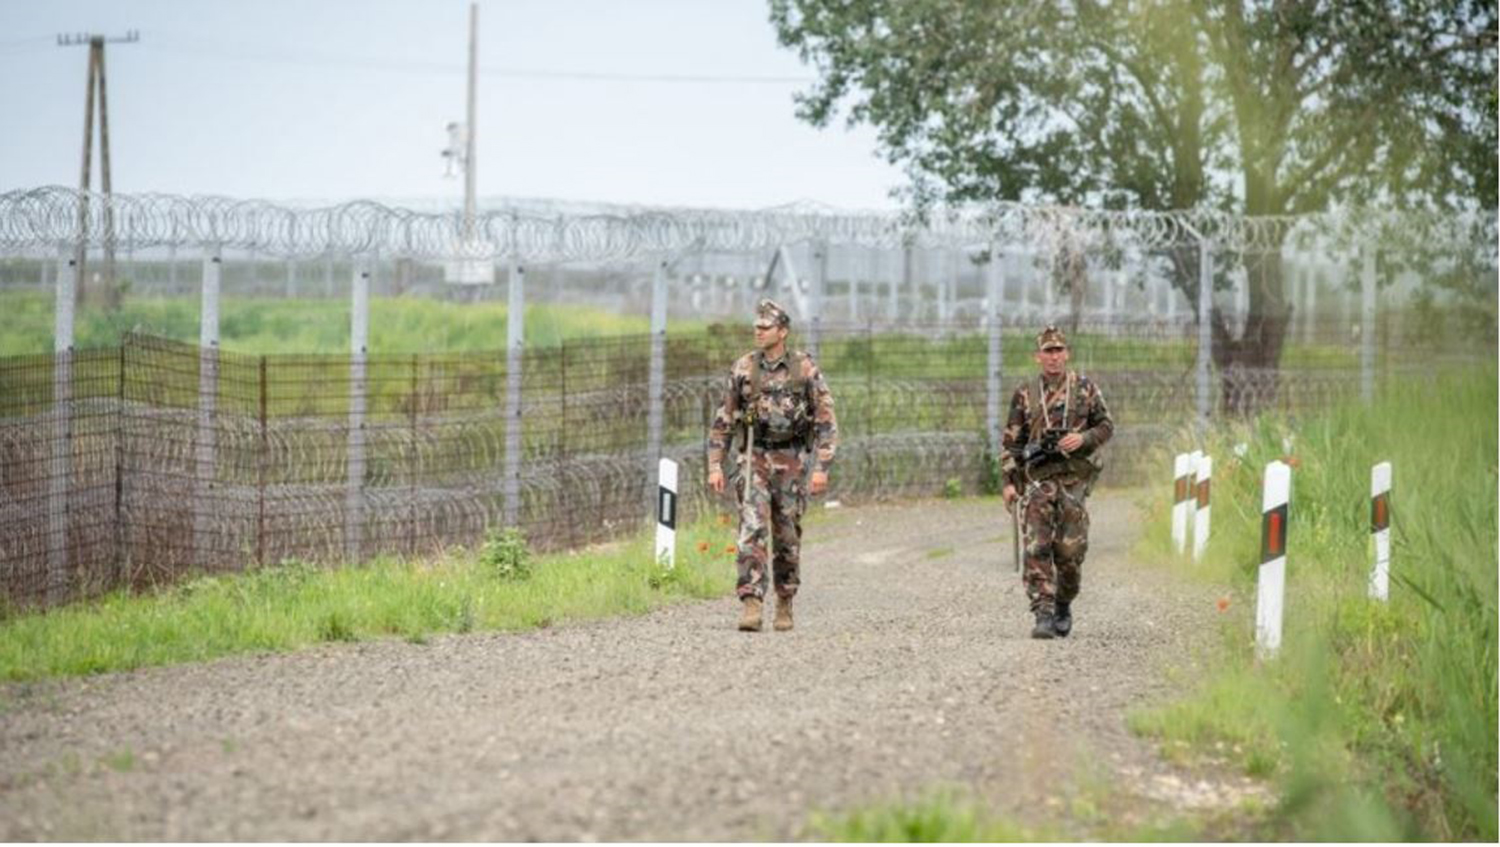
1259 108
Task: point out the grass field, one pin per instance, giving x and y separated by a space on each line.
272 325
276 325
1378 720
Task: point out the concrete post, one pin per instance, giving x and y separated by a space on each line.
359 348
62 426
656 378
1205 337
205 459
1367 324
993 422
515 344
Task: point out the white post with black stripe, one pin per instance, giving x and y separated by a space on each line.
666 513
1270 588
1200 520
1380 530
1180 471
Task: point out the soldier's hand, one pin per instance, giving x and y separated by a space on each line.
716 480
1010 496
1070 442
819 483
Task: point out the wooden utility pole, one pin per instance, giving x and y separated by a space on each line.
96 79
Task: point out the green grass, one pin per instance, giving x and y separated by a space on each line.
1376 721
256 325
1098 810
296 605
942 817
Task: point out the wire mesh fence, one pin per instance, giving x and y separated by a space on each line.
134 466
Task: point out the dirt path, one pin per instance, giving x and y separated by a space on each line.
910 670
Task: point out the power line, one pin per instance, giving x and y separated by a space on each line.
369 63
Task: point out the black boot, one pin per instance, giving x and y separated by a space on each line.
1044 626
1062 622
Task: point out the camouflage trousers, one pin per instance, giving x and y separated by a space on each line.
771 513
1056 526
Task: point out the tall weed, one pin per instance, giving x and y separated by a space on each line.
1378 720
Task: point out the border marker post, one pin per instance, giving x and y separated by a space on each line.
1201 518
1380 530
1270 590
1179 502
666 513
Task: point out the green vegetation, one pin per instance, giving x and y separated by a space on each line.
1376 721
1097 811
940 818
257 325
298 604
315 326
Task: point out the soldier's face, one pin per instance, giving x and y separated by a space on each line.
767 337
1053 360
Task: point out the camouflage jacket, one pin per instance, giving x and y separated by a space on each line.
1084 412
782 414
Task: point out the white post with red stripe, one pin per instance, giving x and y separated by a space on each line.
1380 530
666 513
1200 520
1271 585
1180 474
1192 473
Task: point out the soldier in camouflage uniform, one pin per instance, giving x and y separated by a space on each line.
1050 458
780 399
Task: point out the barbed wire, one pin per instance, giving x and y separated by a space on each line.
52 217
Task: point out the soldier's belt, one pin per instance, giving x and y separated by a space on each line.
1059 467
768 444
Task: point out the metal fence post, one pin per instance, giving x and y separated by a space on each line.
1205 337
359 347
995 283
515 342
819 280
412 463
1367 324
260 487
1048 278
61 474
205 459
853 273
117 577
894 279
655 379
945 273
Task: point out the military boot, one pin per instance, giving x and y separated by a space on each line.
750 619
783 614
1044 625
1062 622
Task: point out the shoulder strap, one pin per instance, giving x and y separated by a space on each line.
797 366
754 379
1070 385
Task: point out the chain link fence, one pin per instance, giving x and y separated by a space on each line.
138 463
127 473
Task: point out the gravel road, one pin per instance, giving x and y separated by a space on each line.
910 669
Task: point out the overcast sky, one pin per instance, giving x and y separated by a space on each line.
673 102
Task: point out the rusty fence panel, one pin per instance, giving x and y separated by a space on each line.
156 482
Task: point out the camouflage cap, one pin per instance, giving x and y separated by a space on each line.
768 313
1051 336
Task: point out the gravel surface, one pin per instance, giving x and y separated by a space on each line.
910 669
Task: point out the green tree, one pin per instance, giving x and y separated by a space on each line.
1258 108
